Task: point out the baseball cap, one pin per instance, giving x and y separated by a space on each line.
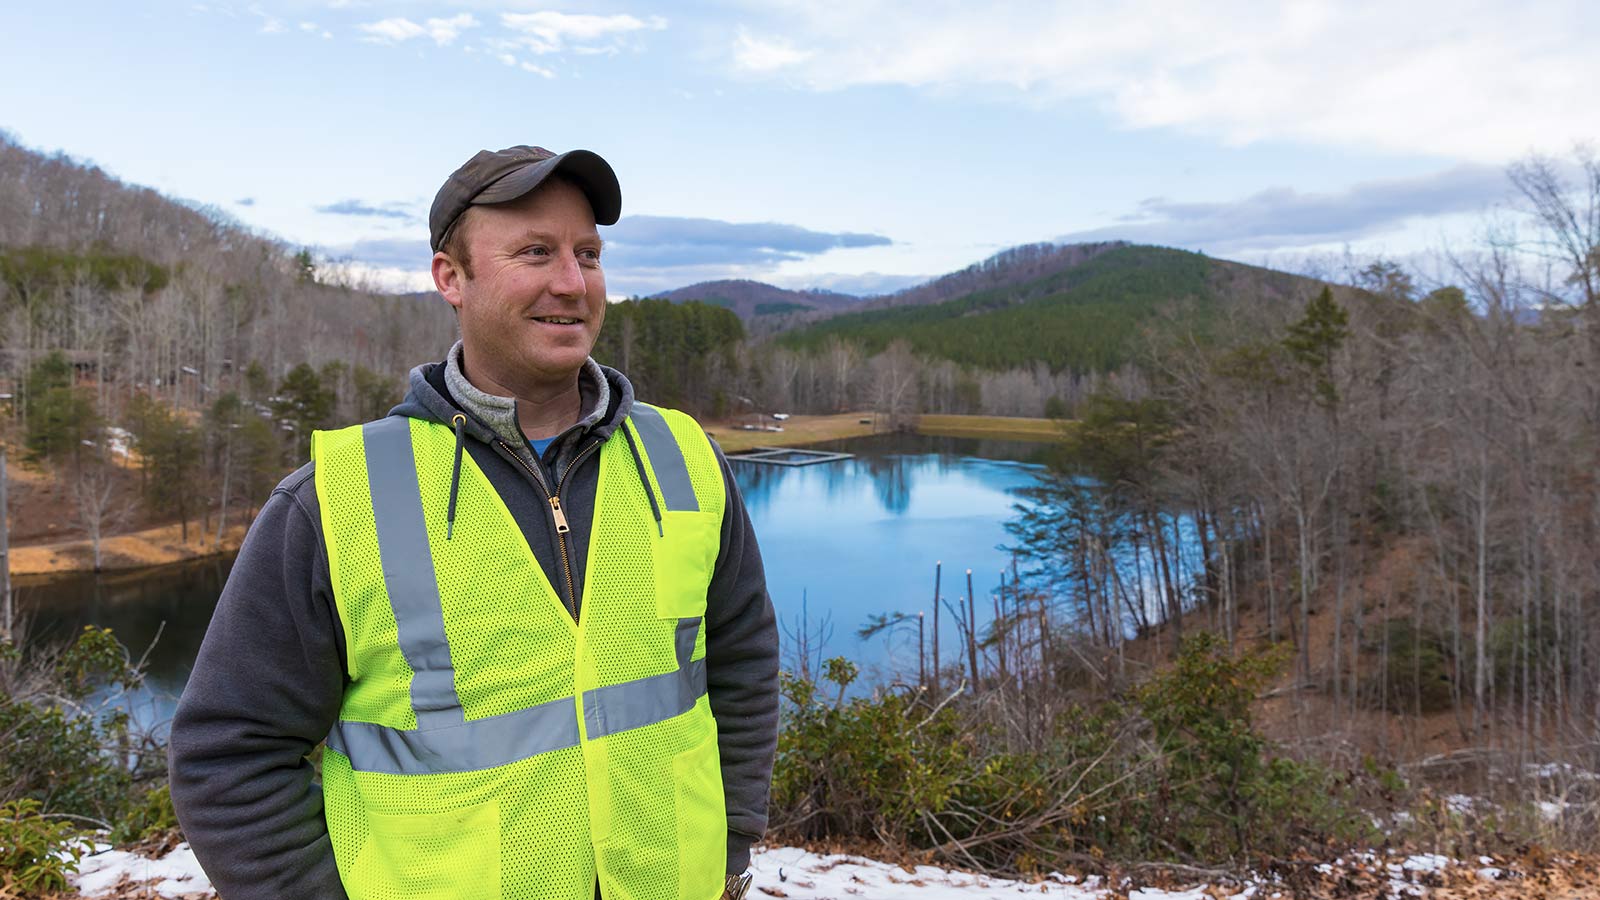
501 175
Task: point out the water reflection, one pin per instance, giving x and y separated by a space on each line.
856 538
861 537
163 611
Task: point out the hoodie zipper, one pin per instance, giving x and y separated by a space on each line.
557 515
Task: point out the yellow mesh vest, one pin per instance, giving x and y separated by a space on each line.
525 755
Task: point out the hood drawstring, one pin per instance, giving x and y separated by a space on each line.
459 423
644 478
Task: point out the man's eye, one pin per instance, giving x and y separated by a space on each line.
537 251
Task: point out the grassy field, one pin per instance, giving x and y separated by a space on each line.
797 430
802 430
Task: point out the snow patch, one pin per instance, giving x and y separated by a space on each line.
175 875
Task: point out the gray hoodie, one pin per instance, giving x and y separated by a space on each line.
270 676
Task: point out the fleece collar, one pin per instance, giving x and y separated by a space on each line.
500 413
436 394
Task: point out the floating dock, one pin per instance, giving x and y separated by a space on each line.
789 456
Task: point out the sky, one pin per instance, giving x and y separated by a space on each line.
859 146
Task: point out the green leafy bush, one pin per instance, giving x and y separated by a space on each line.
36 853
1179 772
867 767
57 747
150 819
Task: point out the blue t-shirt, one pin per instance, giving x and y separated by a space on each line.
539 446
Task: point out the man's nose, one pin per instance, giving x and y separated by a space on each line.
568 280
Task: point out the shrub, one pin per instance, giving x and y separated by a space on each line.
868 767
57 748
1222 792
36 853
1180 773
152 818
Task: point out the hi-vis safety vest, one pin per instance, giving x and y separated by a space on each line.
489 746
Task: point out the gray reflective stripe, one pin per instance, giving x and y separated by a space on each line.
646 701
505 739
635 704
479 744
666 459
408 573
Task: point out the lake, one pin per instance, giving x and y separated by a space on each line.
841 541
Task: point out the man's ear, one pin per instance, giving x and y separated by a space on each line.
447 277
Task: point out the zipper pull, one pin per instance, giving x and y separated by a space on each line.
561 517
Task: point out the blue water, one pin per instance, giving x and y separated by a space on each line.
840 541
862 536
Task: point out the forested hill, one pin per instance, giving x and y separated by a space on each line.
179 299
750 299
1083 317
1010 267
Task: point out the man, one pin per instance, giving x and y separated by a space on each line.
526 612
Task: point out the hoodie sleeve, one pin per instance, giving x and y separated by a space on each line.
742 674
265 689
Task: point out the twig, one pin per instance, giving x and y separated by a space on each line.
91 821
942 704
145 657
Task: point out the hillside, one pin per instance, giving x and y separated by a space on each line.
1083 315
752 299
1012 266
149 284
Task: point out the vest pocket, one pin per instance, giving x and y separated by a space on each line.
702 821
683 558
452 855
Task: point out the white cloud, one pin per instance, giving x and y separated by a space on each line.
392 30
1478 79
443 31
552 32
269 24
396 30
1280 218
766 55
537 70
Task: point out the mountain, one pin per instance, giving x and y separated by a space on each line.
1013 266
752 299
1080 308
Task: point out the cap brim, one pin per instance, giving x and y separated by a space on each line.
592 174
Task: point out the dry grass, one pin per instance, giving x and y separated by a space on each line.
133 550
797 430
802 430
1004 427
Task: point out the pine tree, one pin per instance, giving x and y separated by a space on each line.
1313 341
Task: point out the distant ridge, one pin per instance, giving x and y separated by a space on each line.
750 299
1014 265
1077 307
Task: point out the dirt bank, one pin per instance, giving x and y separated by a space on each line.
156 546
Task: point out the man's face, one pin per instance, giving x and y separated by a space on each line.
533 308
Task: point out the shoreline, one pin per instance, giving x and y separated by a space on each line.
33 564
800 431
